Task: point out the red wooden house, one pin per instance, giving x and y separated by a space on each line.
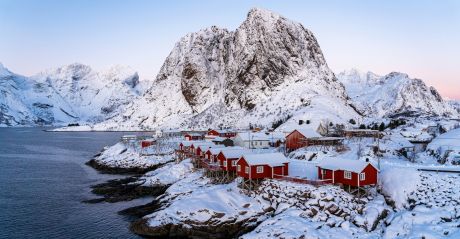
147 143
227 159
202 149
198 147
299 138
193 136
211 154
185 145
224 133
349 172
258 166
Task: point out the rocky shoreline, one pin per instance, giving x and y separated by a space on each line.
125 189
214 230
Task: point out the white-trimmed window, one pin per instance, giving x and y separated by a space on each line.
246 170
362 176
225 163
347 174
323 172
239 168
234 163
260 169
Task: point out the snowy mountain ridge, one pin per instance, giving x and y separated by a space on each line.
69 94
393 94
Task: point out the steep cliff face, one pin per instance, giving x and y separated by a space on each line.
269 67
393 94
69 94
267 49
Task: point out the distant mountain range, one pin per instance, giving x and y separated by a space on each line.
270 69
69 94
393 94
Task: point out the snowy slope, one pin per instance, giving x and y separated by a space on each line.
455 104
393 94
268 68
73 93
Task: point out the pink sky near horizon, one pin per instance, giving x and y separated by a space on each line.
417 37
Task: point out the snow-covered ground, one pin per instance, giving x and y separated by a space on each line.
447 144
168 174
127 156
434 210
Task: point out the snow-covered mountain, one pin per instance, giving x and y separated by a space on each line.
69 94
393 94
269 68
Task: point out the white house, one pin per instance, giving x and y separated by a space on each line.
252 140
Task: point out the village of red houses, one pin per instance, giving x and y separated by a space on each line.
254 155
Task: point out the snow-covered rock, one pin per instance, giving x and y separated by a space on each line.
168 174
393 94
123 157
435 210
396 189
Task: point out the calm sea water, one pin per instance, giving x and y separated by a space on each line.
43 180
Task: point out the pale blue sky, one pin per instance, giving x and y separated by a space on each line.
421 38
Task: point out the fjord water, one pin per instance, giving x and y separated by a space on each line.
43 180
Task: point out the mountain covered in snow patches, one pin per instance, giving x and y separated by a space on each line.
69 94
269 68
393 94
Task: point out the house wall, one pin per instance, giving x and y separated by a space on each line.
327 175
243 164
267 172
281 170
371 176
259 144
228 134
293 141
239 142
256 144
221 158
229 164
213 133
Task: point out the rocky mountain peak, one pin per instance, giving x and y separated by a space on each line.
213 72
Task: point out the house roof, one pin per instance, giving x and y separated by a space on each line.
250 136
222 131
308 132
356 166
362 130
193 134
215 150
189 143
270 159
230 154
